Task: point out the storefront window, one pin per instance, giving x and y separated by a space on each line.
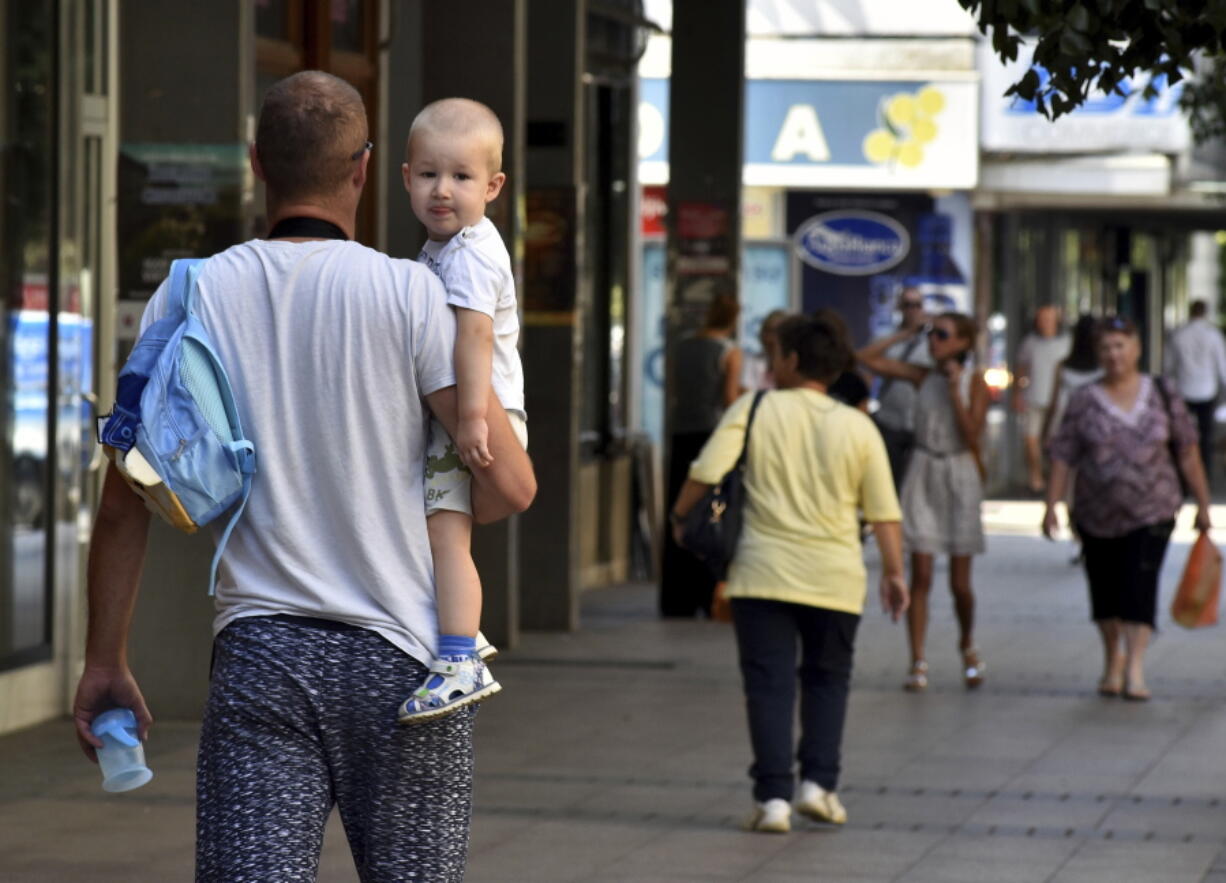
27 158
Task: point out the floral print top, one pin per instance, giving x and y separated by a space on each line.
1125 476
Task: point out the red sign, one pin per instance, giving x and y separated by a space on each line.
653 211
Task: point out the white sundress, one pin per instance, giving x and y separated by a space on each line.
942 490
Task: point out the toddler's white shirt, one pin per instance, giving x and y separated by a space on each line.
476 271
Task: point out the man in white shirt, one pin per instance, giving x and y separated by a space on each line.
895 416
1195 361
1038 359
325 603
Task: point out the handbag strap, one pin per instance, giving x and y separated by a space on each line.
753 409
1171 443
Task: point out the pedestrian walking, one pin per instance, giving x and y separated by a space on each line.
1128 436
706 370
798 573
757 371
849 387
943 488
1195 361
895 415
325 596
1081 367
1038 357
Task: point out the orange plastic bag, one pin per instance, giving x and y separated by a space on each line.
1195 603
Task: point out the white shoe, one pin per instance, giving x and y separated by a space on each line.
820 805
773 817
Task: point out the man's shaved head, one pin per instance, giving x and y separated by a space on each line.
460 118
311 124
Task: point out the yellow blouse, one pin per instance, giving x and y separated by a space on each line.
814 465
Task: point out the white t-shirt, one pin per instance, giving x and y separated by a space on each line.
476 270
1195 359
330 347
1039 356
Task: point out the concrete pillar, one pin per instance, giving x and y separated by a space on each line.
487 64
162 103
706 121
553 298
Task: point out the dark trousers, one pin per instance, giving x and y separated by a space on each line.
767 634
1203 412
686 585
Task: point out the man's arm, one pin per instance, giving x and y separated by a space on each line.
506 486
116 558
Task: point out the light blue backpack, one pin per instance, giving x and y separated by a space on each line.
174 433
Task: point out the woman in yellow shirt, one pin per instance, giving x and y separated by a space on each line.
798 573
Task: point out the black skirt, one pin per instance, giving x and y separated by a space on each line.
1123 572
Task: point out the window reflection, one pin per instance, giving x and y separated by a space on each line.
26 164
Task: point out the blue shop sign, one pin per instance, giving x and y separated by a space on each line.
852 242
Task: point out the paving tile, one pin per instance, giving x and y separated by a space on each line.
842 854
1101 861
705 854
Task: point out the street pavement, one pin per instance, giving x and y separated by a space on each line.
619 753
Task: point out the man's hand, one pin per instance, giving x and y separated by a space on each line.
472 442
101 689
895 598
1051 522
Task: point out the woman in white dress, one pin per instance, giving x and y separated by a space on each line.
943 488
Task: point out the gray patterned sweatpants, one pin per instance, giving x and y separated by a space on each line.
302 717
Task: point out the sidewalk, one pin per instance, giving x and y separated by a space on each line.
619 754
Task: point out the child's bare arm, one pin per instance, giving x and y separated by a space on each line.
474 360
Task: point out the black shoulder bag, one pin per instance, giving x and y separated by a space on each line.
711 529
1171 445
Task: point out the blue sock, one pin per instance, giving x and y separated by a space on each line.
456 645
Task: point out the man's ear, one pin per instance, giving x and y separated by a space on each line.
254 156
359 174
495 186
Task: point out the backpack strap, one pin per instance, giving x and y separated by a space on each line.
183 275
246 456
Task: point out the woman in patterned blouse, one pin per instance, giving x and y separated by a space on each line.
1122 435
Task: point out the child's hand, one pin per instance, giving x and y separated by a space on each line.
472 441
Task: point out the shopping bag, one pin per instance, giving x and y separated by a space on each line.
1195 603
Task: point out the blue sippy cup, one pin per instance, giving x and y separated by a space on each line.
122 757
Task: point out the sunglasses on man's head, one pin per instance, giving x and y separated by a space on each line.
357 154
912 305
938 334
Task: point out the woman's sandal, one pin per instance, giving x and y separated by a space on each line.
1111 688
917 678
973 668
1141 695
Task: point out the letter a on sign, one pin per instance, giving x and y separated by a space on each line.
801 133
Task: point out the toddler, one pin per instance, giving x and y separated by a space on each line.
452 170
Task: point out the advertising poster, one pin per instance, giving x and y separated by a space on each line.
175 201
856 251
